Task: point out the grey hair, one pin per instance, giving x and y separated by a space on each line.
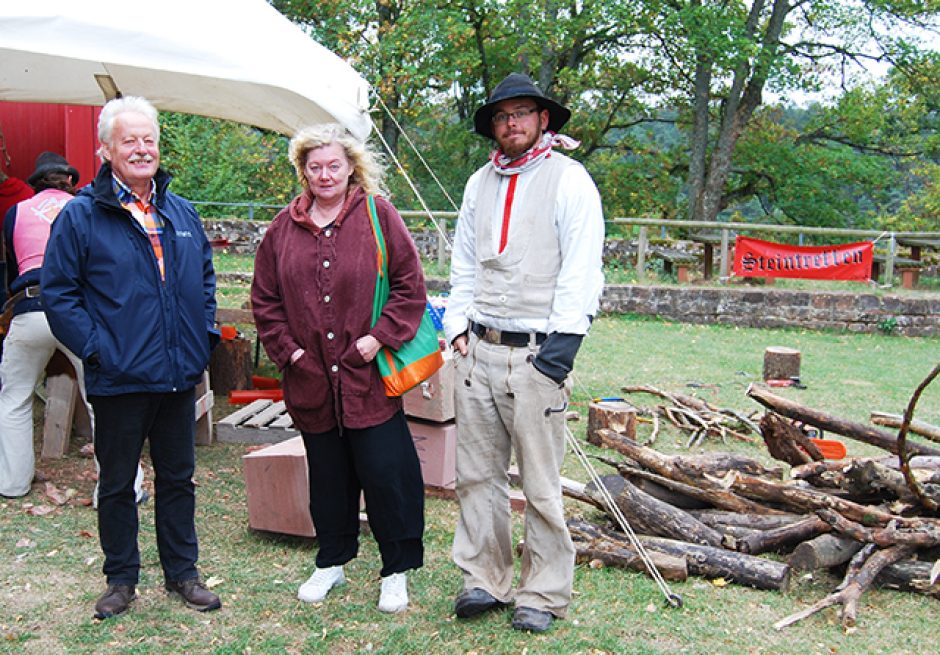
123 105
368 167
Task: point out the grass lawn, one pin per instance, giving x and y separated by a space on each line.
50 564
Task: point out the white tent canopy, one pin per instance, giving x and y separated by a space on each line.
235 59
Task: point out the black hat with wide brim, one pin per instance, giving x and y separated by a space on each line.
517 85
52 162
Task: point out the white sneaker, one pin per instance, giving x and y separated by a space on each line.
394 597
318 585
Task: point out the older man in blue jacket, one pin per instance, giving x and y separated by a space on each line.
128 286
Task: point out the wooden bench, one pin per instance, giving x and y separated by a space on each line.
682 261
908 268
917 244
708 240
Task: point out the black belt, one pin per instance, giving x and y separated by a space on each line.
504 338
31 291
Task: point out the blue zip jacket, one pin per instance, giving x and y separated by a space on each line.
105 301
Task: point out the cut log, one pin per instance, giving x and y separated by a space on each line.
868 476
616 415
610 552
677 494
675 468
855 584
823 552
927 430
919 533
648 515
720 519
230 366
786 442
829 423
706 561
779 538
921 462
781 363
909 575
806 499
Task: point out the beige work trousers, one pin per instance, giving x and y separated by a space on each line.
504 404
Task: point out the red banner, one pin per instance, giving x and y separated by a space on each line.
756 258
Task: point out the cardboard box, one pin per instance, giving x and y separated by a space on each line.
436 444
433 399
277 490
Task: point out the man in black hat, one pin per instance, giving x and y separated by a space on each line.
525 284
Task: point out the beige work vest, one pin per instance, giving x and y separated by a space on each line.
520 281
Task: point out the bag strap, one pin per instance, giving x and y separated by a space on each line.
381 254
381 262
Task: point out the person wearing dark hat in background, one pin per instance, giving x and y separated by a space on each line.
29 345
525 284
128 285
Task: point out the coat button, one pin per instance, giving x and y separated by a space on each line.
334 368
326 264
326 299
327 233
329 335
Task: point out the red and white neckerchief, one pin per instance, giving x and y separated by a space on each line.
503 165
530 158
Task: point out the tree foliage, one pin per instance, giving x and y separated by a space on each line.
220 161
685 108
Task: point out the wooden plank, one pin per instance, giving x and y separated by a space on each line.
262 418
62 392
205 399
284 422
260 422
248 410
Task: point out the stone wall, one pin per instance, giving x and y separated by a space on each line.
770 308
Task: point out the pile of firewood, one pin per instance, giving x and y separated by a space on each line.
872 519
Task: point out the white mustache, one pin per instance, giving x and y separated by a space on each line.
146 159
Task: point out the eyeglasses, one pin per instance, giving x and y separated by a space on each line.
518 115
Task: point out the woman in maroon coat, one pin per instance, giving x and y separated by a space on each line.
312 294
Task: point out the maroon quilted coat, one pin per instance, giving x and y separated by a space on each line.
313 289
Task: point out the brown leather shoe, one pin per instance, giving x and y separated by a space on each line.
194 594
115 600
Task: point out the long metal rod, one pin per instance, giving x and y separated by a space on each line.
672 599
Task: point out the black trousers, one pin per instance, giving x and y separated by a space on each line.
122 423
381 463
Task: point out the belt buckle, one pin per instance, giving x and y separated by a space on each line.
491 335
32 291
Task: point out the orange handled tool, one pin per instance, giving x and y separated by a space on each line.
830 448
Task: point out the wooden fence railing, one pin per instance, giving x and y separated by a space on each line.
721 234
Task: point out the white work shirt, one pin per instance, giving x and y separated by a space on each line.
579 222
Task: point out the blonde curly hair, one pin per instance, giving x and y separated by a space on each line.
368 166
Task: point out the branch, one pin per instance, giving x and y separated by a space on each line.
820 136
903 456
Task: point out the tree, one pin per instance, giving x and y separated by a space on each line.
728 53
668 96
221 161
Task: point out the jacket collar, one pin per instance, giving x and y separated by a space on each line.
299 207
103 188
